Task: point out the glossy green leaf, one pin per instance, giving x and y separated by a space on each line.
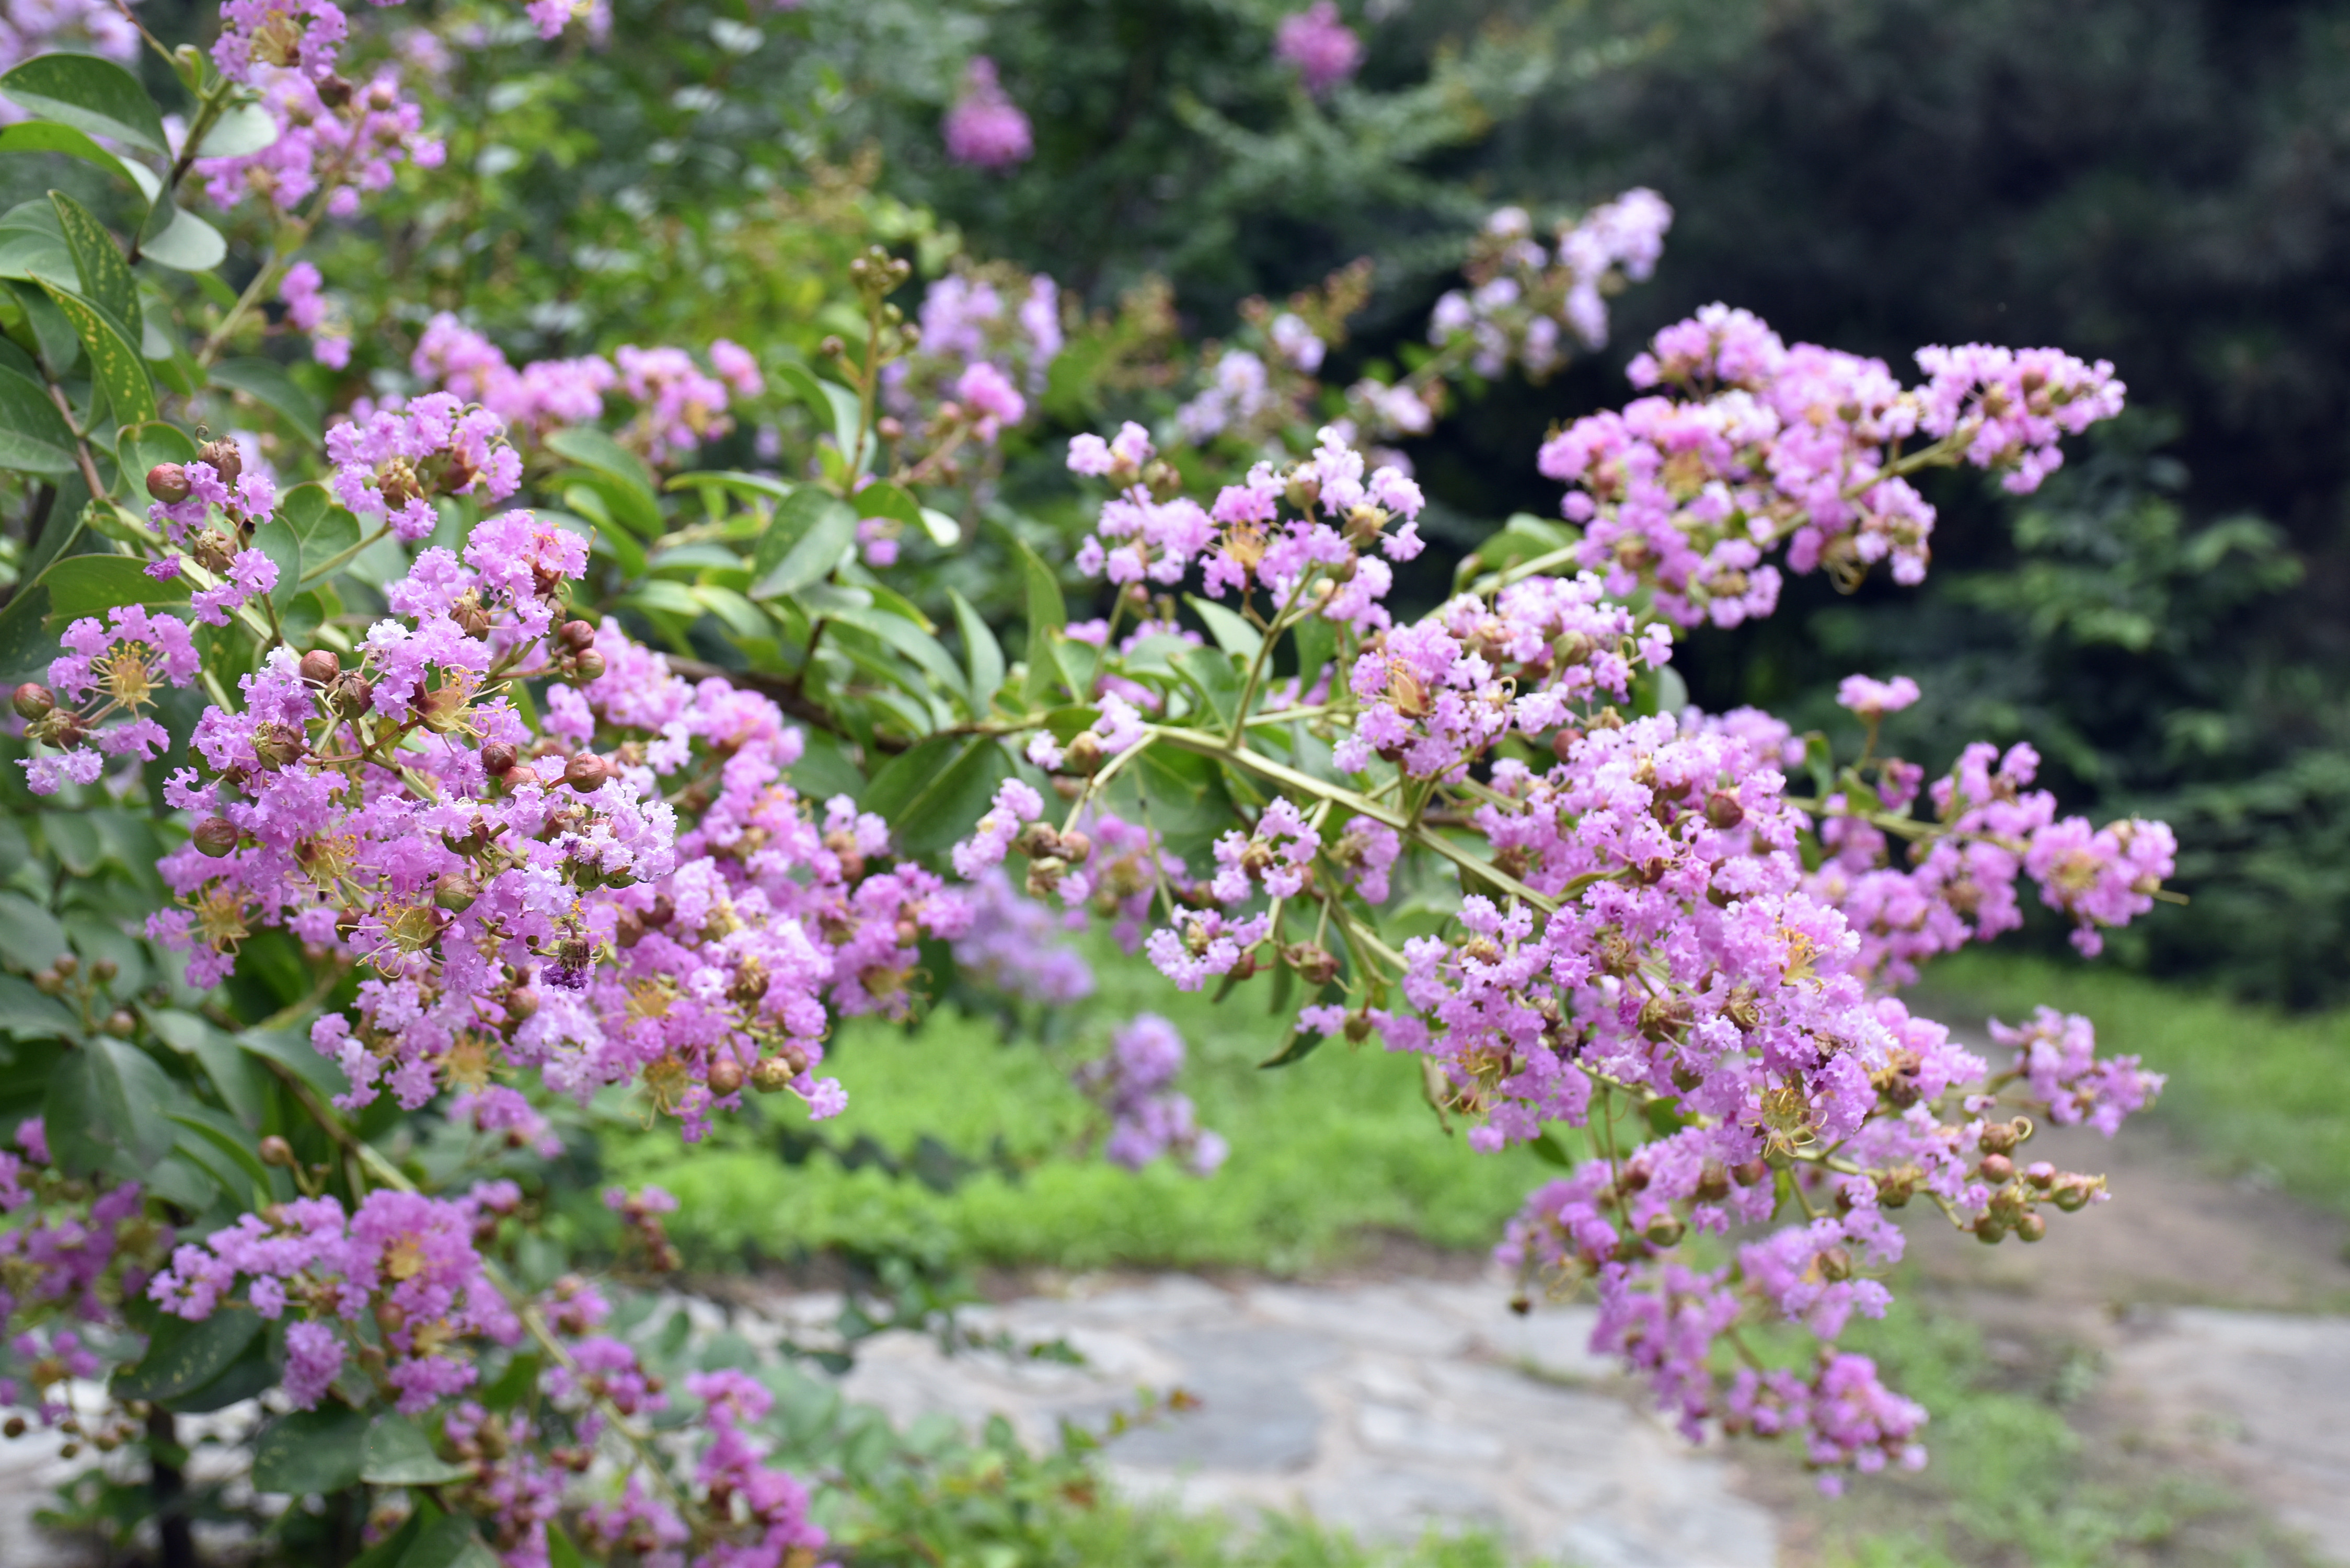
290 1048
1300 1043
26 644
33 246
223 1133
1232 633
177 238
1215 676
53 336
26 1014
835 406
239 132
757 487
91 584
932 794
139 448
30 938
183 1356
310 1451
90 95
241 1081
447 1543
105 1110
629 483
802 545
398 1453
34 436
983 655
267 382
39 136
114 360
106 280
945 675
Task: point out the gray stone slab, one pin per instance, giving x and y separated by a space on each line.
1254 1414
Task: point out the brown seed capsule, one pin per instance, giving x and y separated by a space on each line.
521 1003
277 1151
1713 1182
455 891
278 745
1996 1168
586 771
629 928
33 701
168 483
1315 964
497 757
226 458
1998 1138
350 695
1722 810
726 1075
1754 1173
1076 846
1988 1230
576 635
15 1427
215 836
772 1076
320 666
1037 838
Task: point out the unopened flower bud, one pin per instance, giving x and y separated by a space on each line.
1996 1169
274 1150
1663 1229
1084 753
2031 1228
1076 846
33 701
120 1024
104 970
726 1077
278 745
1752 1173
320 666
455 891
576 635
1038 838
497 757
168 483
521 1003
589 666
1315 964
772 1076
1722 810
49 982
586 773
888 429
1988 1230
350 695
215 836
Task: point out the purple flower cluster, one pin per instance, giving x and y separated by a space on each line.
1013 946
394 461
1754 444
1148 1118
1323 51
1522 296
109 675
985 130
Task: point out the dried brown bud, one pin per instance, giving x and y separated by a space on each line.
1076 846
586 773
33 701
1722 810
726 1075
350 695
168 483
278 745
320 666
629 928
226 458
1315 964
277 1151
215 836
576 635
772 1076
1038 839
497 757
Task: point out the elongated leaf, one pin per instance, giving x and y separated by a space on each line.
91 584
398 1453
833 404
26 645
37 136
26 1014
114 360
105 1110
883 499
291 1048
932 794
88 94
912 641
982 653
802 545
447 1543
310 1451
1233 634
758 486
267 383
105 276
1301 1044
34 436
177 238
944 530
223 1133
628 484
239 132
30 938
183 1356
33 246
52 334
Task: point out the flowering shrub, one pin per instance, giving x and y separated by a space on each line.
354 716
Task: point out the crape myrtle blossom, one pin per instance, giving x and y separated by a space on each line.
94 706
1322 49
1749 445
533 903
988 336
985 130
1149 1118
393 461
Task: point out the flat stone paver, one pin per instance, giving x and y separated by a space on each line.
1386 1409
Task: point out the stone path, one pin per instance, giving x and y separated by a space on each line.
1387 1409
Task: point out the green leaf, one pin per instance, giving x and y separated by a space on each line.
449 1543
52 334
183 1356
241 1081
91 584
33 245
220 1132
26 1014
1233 634
1217 677
114 360
311 1451
267 383
34 436
105 279
912 641
177 238
105 1110
1301 1044
26 645
832 403
291 1048
398 1453
629 487
804 544
982 652
90 95
30 938
944 530
1047 614
35 136
932 794
1548 1149
387 1553
239 132
753 486
560 1553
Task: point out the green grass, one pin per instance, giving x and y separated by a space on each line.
2249 1086
1324 1152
